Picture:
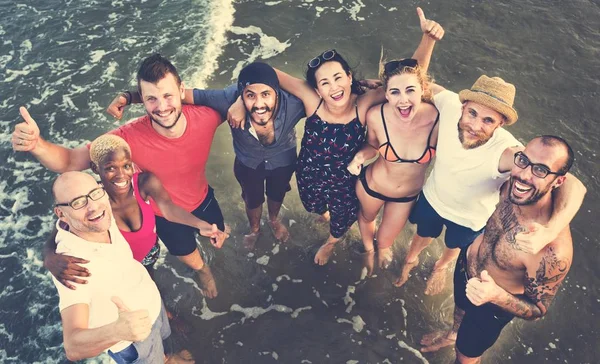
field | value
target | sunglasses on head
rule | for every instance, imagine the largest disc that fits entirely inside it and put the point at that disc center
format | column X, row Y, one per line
column 325, row 56
column 394, row 65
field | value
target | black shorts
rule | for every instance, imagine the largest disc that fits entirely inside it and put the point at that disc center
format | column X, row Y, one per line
column 252, row 182
column 481, row 325
column 181, row 239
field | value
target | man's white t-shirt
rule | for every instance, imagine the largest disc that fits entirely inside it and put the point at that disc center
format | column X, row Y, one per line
column 464, row 185
column 114, row 272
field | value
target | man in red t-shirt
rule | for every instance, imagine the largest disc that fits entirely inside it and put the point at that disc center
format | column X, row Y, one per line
column 172, row 141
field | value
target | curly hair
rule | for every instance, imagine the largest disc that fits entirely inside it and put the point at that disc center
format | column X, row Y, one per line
column 105, row 144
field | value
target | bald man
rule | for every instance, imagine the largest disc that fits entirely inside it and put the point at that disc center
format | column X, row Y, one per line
column 119, row 310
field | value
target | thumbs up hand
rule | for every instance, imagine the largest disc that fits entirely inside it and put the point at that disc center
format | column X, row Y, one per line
column 482, row 290
column 131, row 325
column 26, row 134
column 430, row 27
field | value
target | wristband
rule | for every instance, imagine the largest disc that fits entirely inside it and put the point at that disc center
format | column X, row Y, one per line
column 127, row 96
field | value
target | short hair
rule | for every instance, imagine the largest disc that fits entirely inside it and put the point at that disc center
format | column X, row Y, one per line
column 552, row 141
column 154, row 68
column 105, row 144
column 311, row 72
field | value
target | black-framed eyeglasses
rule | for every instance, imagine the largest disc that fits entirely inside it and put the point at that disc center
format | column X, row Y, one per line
column 325, row 56
column 82, row 201
column 538, row 170
column 394, row 65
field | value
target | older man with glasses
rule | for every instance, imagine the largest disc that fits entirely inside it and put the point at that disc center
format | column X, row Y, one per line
column 119, row 310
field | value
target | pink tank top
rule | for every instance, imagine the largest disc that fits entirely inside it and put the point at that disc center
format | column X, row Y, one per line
column 143, row 240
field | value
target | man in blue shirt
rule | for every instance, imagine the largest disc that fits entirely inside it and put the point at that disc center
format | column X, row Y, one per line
column 265, row 146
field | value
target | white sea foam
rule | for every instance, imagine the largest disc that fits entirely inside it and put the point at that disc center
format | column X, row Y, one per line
column 220, row 19
column 349, row 301
column 275, row 249
column 357, row 323
column 267, row 47
column 205, row 312
column 264, row 260
column 417, row 353
column 254, row 312
column 279, row 278
column 298, row 310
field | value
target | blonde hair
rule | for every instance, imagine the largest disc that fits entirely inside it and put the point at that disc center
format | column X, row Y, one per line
column 424, row 78
column 105, row 144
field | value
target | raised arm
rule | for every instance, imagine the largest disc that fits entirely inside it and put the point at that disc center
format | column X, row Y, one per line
column 432, row 32
column 151, row 186
column 566, row 201
column 26, row 138
column 81, row 342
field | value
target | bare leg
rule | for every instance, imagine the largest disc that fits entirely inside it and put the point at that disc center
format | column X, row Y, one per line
column 417, row 244
column 254, row 220
column 437, row 279
column 207, row 281
column 369, row 207
column 394, row 218
column 325, row 251
column 440, row 339
column 279, row 230
column 406, row 269
column 462, row 359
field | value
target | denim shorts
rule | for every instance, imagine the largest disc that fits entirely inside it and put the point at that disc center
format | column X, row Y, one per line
column 149, row 351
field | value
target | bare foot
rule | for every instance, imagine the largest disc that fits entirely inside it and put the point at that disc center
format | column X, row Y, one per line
column 436, row 340
column 250, row 240
column 437, row 281
column 279, row 230
column 408, row 267
column 384, row 257
column 324, row 253
column 369, row 262
column 183, row 356
column 208, row 285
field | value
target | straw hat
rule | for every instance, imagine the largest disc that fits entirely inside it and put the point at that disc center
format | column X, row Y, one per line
column 494, row 93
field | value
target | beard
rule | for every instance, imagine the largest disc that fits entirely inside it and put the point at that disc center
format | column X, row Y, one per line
column 535, row 194
column 262, row 121
column 481, row 138
column 152, row 117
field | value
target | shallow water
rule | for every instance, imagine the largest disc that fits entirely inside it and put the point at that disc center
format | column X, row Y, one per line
column 66, row 60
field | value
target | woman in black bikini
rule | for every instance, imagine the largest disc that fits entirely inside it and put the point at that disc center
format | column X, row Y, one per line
column 404, row 132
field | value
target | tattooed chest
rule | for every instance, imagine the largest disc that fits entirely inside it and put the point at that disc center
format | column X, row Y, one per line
column 499, row 247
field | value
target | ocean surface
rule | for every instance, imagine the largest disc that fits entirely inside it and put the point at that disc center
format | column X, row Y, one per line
column 65, row 60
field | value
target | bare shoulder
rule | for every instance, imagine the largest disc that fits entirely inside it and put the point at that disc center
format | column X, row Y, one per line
column 556, row 258
column 374, row 116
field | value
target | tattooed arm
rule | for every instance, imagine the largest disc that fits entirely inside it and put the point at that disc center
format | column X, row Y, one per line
column 542, row 280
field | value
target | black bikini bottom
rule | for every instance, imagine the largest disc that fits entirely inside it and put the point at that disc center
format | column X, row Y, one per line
column 370, row 192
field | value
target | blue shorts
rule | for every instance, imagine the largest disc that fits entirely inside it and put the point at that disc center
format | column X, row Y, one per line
column 149, row 351
column 430, row 224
